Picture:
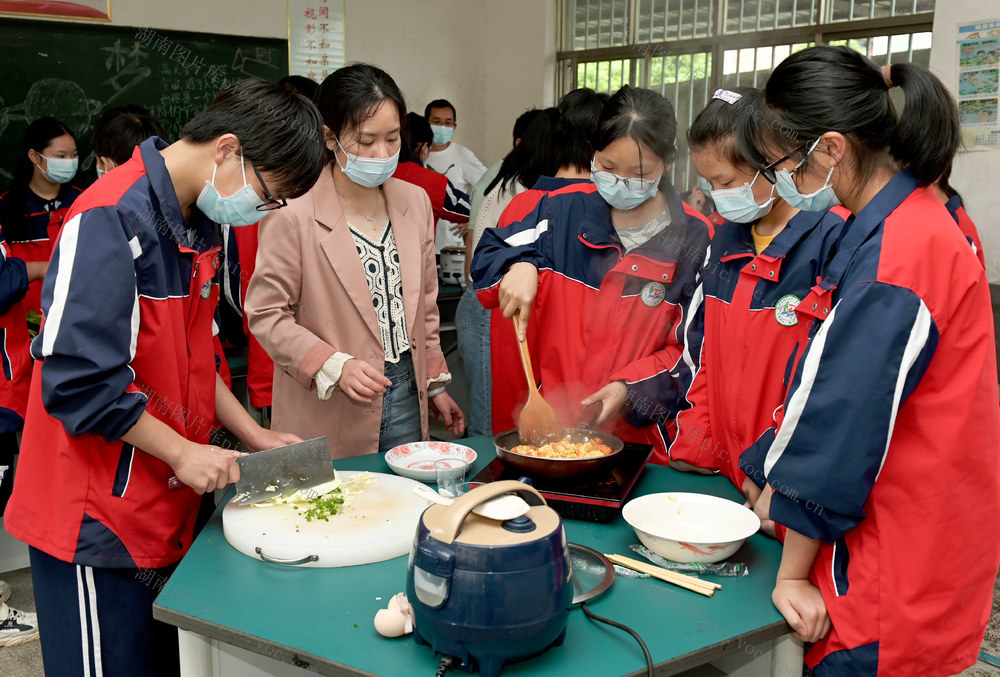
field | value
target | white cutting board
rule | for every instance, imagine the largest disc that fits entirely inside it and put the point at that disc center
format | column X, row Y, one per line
column 378, row 525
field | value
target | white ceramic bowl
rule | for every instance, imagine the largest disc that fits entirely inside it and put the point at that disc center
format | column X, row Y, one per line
column 416, row 459
column 686, row 527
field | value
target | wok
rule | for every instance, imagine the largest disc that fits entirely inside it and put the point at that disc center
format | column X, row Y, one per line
column 558, row 468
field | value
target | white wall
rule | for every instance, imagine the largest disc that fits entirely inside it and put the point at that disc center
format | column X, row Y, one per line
column 975, row 173
column 492, row 60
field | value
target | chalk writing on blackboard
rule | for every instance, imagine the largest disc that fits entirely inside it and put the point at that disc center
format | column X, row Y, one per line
column 75, row 72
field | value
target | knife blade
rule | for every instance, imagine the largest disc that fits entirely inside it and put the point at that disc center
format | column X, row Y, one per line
column 282, row 470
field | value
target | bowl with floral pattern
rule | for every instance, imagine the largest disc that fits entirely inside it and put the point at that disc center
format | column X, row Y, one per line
column 416, row 460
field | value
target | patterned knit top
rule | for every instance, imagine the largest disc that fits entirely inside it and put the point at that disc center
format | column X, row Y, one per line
column 381, row 264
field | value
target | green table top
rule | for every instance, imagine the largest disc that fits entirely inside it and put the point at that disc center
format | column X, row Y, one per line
column 322, row 618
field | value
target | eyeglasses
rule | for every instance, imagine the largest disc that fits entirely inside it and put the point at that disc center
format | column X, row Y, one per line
column 608, row 179
column 269, row 201
column 769, row 172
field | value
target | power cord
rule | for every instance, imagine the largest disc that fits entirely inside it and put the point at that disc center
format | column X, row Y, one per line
column 446, row 664
column 620, row 626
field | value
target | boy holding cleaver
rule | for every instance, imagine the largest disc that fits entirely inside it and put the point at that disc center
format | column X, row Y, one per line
column 125, row 391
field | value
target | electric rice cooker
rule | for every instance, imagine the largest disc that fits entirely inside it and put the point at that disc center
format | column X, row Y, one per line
column 452, row 269
column 490, row 592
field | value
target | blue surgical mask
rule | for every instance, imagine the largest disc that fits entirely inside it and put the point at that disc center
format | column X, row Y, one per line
column 705, row 185
column 739, row 205
column 442, row 134
column 622, row 193
column 368, row 171
column 58, row 169
column 239, row 209
column 817, row 201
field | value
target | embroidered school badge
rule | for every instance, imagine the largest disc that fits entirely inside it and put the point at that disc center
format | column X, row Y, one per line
column 784, row 310
column 653, row 293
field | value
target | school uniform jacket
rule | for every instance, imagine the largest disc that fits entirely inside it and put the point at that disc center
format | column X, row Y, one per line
column 602, row 315
column 888, row 450
column 752, row 336
column 448, row 202
column 42, row 227
column 512, row 393
column 14, row 358
column 239, row 246
column 129, row 303
column 966, row 225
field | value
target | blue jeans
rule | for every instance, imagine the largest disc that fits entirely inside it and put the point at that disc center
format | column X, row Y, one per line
column 472, row 324
column 400, row 406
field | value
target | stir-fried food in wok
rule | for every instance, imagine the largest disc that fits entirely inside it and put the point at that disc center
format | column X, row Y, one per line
column 565, row 448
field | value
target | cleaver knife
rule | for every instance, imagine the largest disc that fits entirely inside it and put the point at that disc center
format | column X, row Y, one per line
column 282, row 470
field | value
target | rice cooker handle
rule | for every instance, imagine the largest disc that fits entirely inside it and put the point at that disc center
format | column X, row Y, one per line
column 448, row 527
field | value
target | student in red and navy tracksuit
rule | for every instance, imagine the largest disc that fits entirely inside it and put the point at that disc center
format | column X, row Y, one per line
column 35, row 205
column 579, row 111
column 762, row 262
column 447, row 201
column 31, row 213
column 953, row 202
column 605, row 272
column 885, row 467
column 125, row 388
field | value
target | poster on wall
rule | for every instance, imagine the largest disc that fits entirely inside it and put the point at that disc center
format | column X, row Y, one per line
column 979, row 83
column 96, row 10
column 315, row 37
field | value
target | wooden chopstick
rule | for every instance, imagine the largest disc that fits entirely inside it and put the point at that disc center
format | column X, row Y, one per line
column 648, row 568
column 706, row 588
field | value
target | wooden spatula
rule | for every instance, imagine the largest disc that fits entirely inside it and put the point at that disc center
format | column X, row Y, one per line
column 537, row 423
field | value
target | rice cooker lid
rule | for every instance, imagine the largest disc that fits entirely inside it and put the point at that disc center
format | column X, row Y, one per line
column 456, row 523
column 538, row 523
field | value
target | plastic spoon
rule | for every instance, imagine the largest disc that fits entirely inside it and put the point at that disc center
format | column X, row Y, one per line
column 501, row 508
column 538, row 423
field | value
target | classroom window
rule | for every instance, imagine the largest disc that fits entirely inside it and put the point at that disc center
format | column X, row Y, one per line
column 687, row 49
column 762, row 15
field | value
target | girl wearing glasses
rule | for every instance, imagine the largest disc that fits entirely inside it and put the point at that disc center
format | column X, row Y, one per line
column 604, row 271
column 885, row 463
column 763, row 261
column 344, row 296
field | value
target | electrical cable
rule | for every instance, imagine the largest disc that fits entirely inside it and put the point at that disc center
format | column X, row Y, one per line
column 446, row 664
column 620, row 626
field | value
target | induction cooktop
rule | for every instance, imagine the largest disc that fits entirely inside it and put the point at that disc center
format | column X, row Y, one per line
column 596, row 498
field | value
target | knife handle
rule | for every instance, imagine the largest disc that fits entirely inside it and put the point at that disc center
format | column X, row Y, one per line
column 174, row 483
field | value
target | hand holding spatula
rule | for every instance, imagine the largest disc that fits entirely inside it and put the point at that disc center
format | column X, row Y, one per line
column 537, row 424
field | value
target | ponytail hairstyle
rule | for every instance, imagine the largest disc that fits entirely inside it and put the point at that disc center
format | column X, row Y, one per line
column 579, row 112
column 418, row 132
column 643, row 116
column 37, row 137
column 717, row 126
column 534, row 156
column 824, row 88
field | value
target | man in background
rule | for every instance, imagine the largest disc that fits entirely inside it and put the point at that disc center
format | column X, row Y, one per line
column 455, row 161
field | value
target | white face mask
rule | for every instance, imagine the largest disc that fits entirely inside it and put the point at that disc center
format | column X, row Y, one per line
column 101, row 172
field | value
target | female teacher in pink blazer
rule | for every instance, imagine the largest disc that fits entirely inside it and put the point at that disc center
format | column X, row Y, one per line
column 344, row 295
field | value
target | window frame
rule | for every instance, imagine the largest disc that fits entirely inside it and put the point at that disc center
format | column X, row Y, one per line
column 567, row 61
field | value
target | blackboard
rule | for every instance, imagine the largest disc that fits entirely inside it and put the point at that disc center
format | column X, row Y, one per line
column 74, row 72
